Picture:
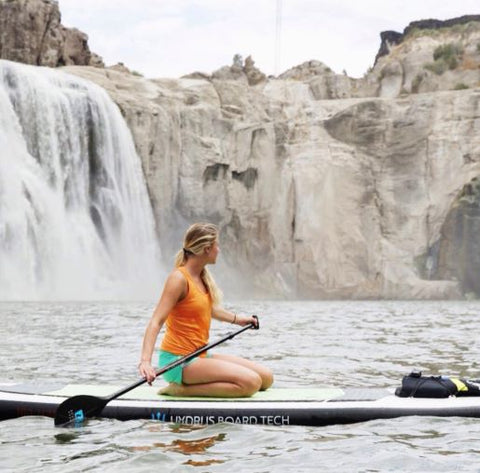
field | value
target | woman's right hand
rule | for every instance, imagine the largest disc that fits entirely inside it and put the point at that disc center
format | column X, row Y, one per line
column 146, row 371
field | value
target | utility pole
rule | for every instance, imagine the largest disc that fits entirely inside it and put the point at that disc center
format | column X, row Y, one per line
column 278, row 38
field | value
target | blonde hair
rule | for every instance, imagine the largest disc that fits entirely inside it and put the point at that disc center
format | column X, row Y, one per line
column 198, row 237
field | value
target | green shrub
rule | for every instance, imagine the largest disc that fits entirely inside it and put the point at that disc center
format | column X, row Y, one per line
column 445, row 57
column 418, row 32
column 459, row 29
column 438, row 67
column 450, row 53
column 461, row 86
column 478, row 48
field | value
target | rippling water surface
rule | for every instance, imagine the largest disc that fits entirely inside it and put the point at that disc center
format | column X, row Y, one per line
column 305, row 343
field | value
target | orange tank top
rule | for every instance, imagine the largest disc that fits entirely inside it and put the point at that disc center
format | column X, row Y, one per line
column 188, row 324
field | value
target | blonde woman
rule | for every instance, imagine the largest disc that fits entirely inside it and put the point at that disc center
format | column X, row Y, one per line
column 189, row 300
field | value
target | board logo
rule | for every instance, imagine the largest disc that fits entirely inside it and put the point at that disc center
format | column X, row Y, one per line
column 79, row 416
column 202, row 419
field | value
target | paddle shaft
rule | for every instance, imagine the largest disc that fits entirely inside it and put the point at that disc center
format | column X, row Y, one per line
column 182, row 360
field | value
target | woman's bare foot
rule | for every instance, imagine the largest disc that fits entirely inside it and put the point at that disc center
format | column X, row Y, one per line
column 173, row 389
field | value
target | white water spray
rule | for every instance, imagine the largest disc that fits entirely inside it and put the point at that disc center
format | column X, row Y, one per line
column 75, row 218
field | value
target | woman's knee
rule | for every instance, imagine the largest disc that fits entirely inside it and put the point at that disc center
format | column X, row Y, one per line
column 250, row 384
column 267, row 379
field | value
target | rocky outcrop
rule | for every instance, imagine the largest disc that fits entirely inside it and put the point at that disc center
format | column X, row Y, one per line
column 456, row 255
column 323, row 82
column 31, row 32
column 388, row 39
column 430, row 55
column 391, row 38
column 239, row 70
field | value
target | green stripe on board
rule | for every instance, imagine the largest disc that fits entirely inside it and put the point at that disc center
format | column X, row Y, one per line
column 150, row 393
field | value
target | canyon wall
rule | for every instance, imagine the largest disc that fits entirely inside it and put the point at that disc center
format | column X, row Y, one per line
column 315, row 198
column 323, row 185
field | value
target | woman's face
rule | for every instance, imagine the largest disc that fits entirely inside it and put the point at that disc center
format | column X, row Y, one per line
column 212, row 252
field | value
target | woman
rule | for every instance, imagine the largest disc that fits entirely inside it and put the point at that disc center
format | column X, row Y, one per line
column 189, row 300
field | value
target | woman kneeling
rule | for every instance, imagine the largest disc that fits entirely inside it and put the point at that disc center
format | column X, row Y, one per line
column 188, row 302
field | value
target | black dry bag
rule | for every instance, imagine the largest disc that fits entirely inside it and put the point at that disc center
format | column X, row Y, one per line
column 416, row 385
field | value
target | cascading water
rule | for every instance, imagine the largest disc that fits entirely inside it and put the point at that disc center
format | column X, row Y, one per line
column 75, row 218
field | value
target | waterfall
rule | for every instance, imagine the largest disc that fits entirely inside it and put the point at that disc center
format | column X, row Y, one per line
column 75, row 217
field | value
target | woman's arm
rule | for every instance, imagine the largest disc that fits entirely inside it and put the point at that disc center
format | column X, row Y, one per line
column 219, row 313
column 174, row 290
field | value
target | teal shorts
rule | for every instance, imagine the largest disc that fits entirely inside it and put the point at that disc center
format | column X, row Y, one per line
column 175, row 374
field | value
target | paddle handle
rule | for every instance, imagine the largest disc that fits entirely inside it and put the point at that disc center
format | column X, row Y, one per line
column 186, row 358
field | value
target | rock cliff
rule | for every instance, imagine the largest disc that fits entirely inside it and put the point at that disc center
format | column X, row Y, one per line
column 430, row 55
column 315, row 198
column 31, row 32
column 324, row 186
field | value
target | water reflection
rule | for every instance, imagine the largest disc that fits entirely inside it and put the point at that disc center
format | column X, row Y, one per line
column 195, row 448
column 186, row 447
column 66, row 437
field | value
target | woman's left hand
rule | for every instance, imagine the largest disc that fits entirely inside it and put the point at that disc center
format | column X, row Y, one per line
column 245, row 320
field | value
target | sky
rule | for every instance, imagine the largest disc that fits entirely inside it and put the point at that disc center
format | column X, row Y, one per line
column 170, row 38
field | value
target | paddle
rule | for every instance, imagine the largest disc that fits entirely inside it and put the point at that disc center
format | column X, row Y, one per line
column 76, row 409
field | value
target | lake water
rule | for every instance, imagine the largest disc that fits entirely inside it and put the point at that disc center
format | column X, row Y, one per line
column 305, row 343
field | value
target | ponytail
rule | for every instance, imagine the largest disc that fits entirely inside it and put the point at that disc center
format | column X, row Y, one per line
column 198, row 237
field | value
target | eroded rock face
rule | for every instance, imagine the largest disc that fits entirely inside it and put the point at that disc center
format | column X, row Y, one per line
column 31, row 32
column 430, row 55
column 456, row 255
column 315, row 198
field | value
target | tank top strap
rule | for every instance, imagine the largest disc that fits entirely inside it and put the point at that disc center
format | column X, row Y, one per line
column 187, row 276
column 191, row 284
column 184, row 271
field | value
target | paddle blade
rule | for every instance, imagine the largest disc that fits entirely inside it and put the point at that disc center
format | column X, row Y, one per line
column 75, row 410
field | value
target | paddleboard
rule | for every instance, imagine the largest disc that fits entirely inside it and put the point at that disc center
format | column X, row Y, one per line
column 277, row 406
